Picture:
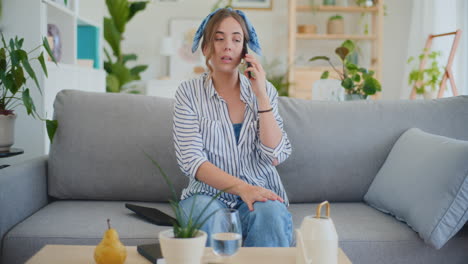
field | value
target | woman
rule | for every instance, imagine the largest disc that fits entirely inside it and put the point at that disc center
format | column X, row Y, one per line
column 229, row 136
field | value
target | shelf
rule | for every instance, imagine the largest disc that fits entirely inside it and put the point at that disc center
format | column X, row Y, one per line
column 349, row 9
column 340, row 36
column 85, row 22
column 59, row 7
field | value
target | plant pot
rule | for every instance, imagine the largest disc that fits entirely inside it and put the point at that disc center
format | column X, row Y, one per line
column 335, row 26
column 182, row 250
column 307, row 29
column 430, row 94
column 354, row 97
column 329, row 2
column 7, row 132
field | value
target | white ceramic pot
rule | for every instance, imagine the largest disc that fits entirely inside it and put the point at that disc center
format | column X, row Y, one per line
column 7, row 131
column 182, row 250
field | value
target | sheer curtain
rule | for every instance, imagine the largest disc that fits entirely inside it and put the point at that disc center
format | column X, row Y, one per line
column 434, row 17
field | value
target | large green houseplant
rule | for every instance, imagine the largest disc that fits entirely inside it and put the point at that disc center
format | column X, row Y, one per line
column 16, row 77
column 357, row 81
column 118, row 74
column 428, row 79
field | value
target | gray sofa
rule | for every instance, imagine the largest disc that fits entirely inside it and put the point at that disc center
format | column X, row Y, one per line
column 97, row 163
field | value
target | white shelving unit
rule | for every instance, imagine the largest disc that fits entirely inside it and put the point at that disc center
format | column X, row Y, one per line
column 28, row 19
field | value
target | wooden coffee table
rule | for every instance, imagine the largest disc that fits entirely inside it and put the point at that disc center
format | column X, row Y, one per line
column 59, row 254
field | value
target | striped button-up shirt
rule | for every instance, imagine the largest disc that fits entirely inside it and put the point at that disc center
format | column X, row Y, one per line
column 203, row 131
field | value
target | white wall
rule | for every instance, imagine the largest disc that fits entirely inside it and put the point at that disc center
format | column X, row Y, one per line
column 145, row 31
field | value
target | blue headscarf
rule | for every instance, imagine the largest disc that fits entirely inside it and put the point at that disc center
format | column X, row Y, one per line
column 253, row 43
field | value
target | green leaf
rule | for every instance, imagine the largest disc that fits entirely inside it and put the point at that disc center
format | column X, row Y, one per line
column 325, row 75
column 349, row 44
column 357, row 78
column 342, row 52
column 51, row 126
column 138, row 69
column 3, row 61
column 122, row 73
column 347, row 84
column 24, row 60
column 319, row 58
column 10, row 84
column 18, row 76
column 136, row 7
column 351, row 67
column 362, row 70
column 43, row 65
column 119, row 11
column 129, row 57
column 112, row 36
column 45, row 43
column 371, row 86
column 112, row 84
column 28, row 102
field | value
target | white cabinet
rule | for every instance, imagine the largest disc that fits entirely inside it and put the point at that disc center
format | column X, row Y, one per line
column 80, row 39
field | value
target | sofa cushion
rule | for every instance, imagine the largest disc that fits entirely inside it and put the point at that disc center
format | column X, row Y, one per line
column 424, row 182
column 337, row 142
column 366, row 235
column 99, row 147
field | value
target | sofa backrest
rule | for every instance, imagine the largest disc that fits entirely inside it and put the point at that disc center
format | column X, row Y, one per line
column 338, row 147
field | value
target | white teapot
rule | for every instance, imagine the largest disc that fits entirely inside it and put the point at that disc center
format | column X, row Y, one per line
column 317, row 240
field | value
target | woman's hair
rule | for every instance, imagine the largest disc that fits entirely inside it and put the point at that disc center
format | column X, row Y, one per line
column 210, row 32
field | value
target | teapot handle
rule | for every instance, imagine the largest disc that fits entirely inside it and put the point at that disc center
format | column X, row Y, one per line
column 319, row 209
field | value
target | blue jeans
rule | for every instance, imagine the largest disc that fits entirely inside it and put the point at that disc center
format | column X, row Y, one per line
column 269, row 225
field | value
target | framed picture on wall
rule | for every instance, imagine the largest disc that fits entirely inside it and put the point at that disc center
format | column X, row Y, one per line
column 184, row 63
column 253, row 4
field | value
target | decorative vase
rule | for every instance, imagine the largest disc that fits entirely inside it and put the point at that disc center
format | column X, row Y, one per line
column 354, row 97
column 307, row 29
column 7, row 131
column 182, row 250
column 335, row 26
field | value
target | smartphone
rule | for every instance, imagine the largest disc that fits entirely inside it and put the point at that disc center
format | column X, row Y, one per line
column 151, row 252
column 245, row 51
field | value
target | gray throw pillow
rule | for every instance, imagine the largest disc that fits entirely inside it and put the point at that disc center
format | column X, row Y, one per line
column 424, row 183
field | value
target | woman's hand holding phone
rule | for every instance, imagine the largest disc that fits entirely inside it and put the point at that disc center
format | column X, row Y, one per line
column 256, row 75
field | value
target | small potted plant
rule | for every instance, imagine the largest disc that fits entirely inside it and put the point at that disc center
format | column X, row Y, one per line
column 426, row 80
column 185, row 242
column 15, row 70
column 358, row 82
column 335, row 25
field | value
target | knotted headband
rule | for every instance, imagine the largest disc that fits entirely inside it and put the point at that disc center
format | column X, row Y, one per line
column 253, row 41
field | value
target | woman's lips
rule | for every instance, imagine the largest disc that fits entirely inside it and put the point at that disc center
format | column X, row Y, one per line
column 226, row 59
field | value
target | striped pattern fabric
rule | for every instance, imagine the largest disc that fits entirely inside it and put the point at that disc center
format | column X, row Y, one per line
column 203, row 132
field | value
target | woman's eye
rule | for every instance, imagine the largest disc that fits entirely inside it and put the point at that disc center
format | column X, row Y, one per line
column 218, row 39
column 237, row 40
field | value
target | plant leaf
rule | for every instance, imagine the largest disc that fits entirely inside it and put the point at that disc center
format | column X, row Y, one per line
column 347, row 83
column 45, row 43
column 28, row 102
column 319, row 58
column 342, row 52
column 51, row 129
column 138, row 69
column 42, row 61
column 112, row 84
column 325, row 75
column 3, row 61
column 18, row 76
column 119, row 11
column 27, row 66
column 129, row 57
column 136, row 7
column 112, row 36
column 349, row 44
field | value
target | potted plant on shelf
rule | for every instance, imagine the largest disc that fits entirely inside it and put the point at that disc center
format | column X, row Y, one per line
column 185, row 242
column 358, row 82
column 426, row 81
column 15, row 71
column 335, row 25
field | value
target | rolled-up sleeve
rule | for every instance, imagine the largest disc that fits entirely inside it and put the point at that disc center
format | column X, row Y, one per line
column 187, row 138
column 282, row 151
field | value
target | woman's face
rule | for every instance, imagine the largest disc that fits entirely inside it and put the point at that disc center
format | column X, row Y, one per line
column 228, row 43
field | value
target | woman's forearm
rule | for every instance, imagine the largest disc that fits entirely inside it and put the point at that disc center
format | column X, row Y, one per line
column 270, row 132
column 219, row 179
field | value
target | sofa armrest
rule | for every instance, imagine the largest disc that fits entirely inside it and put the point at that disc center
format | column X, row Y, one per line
column 23, row 191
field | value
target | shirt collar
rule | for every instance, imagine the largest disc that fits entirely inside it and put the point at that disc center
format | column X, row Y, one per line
column 246, row 91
